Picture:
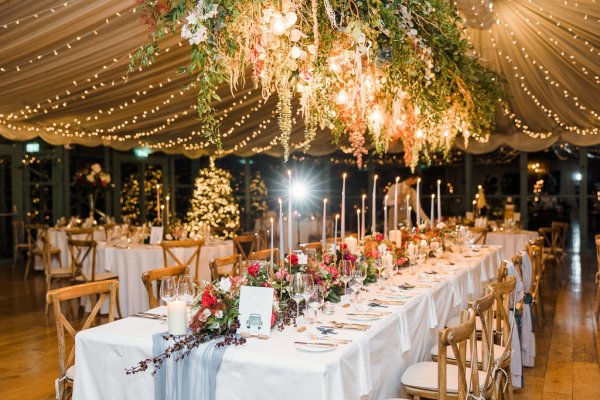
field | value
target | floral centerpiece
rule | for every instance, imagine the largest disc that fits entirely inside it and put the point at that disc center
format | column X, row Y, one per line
column 92, row 179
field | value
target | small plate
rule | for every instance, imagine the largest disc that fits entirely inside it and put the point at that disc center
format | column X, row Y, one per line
column 315, row 346
column 363, row 317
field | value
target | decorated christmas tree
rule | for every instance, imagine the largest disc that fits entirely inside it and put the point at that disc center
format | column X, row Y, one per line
column 212, row 204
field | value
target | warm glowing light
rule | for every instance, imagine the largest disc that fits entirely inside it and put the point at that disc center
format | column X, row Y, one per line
column 278, row 25
column 342, row 97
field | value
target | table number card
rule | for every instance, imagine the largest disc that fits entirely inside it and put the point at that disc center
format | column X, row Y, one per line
column 256, row 306
column 156, row 234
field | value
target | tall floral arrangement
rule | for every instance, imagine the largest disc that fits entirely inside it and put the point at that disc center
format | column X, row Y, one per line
column 92, row 179
column 212, row 203
column 370, row 71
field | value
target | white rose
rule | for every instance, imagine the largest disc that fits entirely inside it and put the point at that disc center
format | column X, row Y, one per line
column 382, row 248
column 225, row 284
column 290, row 18
column 206, row 313
column 90, row 178
column 96, row 168
column 302, row 259
column 219, row 314
column 296, row 34
column 296, row 52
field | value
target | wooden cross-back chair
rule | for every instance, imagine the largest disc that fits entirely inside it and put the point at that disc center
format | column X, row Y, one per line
column 480, row 235
column 597, row 307
column 503, row 331
column 442, row 380
column 264, row 255
column 109, row 228
column 550, row 255
column 312, row 245
column 39, row 245
column 234, row 262
column 245, row 245
column 80, row 233
column 193, row 261
column 66, row 361
column 20, row 244
column 537, row 305
column 155, row 275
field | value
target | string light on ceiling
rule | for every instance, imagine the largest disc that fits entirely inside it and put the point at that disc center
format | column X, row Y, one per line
column 41, row 13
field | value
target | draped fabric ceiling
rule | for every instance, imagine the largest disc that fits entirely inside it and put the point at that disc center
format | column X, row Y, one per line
column 63, row 67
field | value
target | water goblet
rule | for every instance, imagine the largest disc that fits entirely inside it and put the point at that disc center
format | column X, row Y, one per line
column 168, row 289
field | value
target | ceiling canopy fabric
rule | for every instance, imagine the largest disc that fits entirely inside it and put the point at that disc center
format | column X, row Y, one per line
column 63, row 78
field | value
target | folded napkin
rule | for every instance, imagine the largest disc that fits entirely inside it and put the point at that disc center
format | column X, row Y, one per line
column 193, row 377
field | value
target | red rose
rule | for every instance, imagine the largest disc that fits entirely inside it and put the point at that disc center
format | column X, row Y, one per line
column 253, row 269
column 343, row 246
column 273, row 318
column 379, row 237
column 208, row 299
column 293, row 259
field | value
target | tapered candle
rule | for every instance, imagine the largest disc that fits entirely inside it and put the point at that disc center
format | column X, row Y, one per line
column 281, row 248
column 385, row 228
column 409, row 221
column 290, row 212
column 167, row 210
column 396, row 204
column 158, row 201
column 418, row 202
column 439, row 200
column 358, row 224
column 323, row 236
column 362, row 214
column 162, row 210
column 432, row 207
column 337, row 216
column 374, row 212
column 408, row 210
column 272, row 260
column 343, row 221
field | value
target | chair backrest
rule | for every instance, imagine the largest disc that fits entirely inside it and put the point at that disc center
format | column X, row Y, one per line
column 109, row 229
column 597, row 240
column 262, row 239
column 80, row 251
column 105, row 289
column 484, row 310
column 169, row 245
column 480, row 234
column 18, row 233
column 80, row 233
column 264, row 255
column 502, row 271
column 457, row 338
column 311, row 245
column 234, row 263
column 36, row 235
column 245, row 245
column 503, row 291
column 550, row 236
column 518, row 262
column 154, row 275
column 535, row 254
column 562, row 228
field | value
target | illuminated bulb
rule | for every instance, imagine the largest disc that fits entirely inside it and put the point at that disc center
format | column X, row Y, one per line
column 419, row 133
column 342, row 97
column 278, row 25
column 376, row 116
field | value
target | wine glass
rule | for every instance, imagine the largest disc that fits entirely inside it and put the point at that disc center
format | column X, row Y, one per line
column 296, row 290
column 309, row 290
column 358, row 277
column 346, row 270
column 185, row 288
column 168, row 289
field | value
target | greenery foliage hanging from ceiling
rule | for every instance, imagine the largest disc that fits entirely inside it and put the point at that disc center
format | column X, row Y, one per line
column 370, row 70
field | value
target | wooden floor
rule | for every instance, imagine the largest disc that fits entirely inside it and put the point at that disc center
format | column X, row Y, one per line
column 567, row 346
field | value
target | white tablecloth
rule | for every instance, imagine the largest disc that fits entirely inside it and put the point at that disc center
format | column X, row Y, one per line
column 58, row 238
column 369, row 367
column 511, row 242
column 131, row 263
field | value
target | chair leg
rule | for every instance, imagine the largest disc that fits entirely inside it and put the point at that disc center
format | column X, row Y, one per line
column 597, row 308
column 27, row 264
column 119, row 306
column 48, row 287
column 15, row 255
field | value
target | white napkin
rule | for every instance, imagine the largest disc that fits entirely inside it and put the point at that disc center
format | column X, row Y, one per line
column 404, row 334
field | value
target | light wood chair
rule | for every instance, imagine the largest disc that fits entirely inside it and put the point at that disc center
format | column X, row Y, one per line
column 234, row 263
column 597, row 307
column 192, row 261
column 52, row 275
column 37, row 238
column 154, row 275
column 480, row 235
column 80, row 233
column 550, row 258
column 66, row 363
column 442, row 380
column 264, row 255
column 537, row 305
column 245, row 245
column 312, row 245
column 20, row 244
column 562, row 230
column 109, row 228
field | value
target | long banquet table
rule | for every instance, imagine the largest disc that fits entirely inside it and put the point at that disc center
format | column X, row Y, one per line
column 511, row 242
column 369, row 367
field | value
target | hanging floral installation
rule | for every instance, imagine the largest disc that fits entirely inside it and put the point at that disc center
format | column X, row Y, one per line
column 372, row 71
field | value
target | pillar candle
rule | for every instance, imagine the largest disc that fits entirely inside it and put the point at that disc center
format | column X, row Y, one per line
column 343, row 221
column 396, row 204
column 418, row 202
column 374, row 212
column 324, row 234
column 439, row 200
column 176, row 317
column 290, row 212
column 272, row 260
column 351, row 244
column 362, row 212
column 432, row 207
column 281, row 248
column 358, row 236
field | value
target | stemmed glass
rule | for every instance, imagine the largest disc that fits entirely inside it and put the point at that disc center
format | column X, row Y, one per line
column 185, row 288
column 358, row 277
column 346, row 270
column 309, row 290
column 168, row 289
column 297, row 290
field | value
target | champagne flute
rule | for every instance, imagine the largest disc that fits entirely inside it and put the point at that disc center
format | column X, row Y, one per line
column 168, row 289
column 296, row 290
column 346, row 270
column 309, row 290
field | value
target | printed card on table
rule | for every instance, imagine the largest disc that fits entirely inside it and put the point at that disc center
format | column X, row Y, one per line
column 256, row 306
column 156, row 234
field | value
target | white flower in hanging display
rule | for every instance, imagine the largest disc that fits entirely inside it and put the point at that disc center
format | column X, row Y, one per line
column 96, row 168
